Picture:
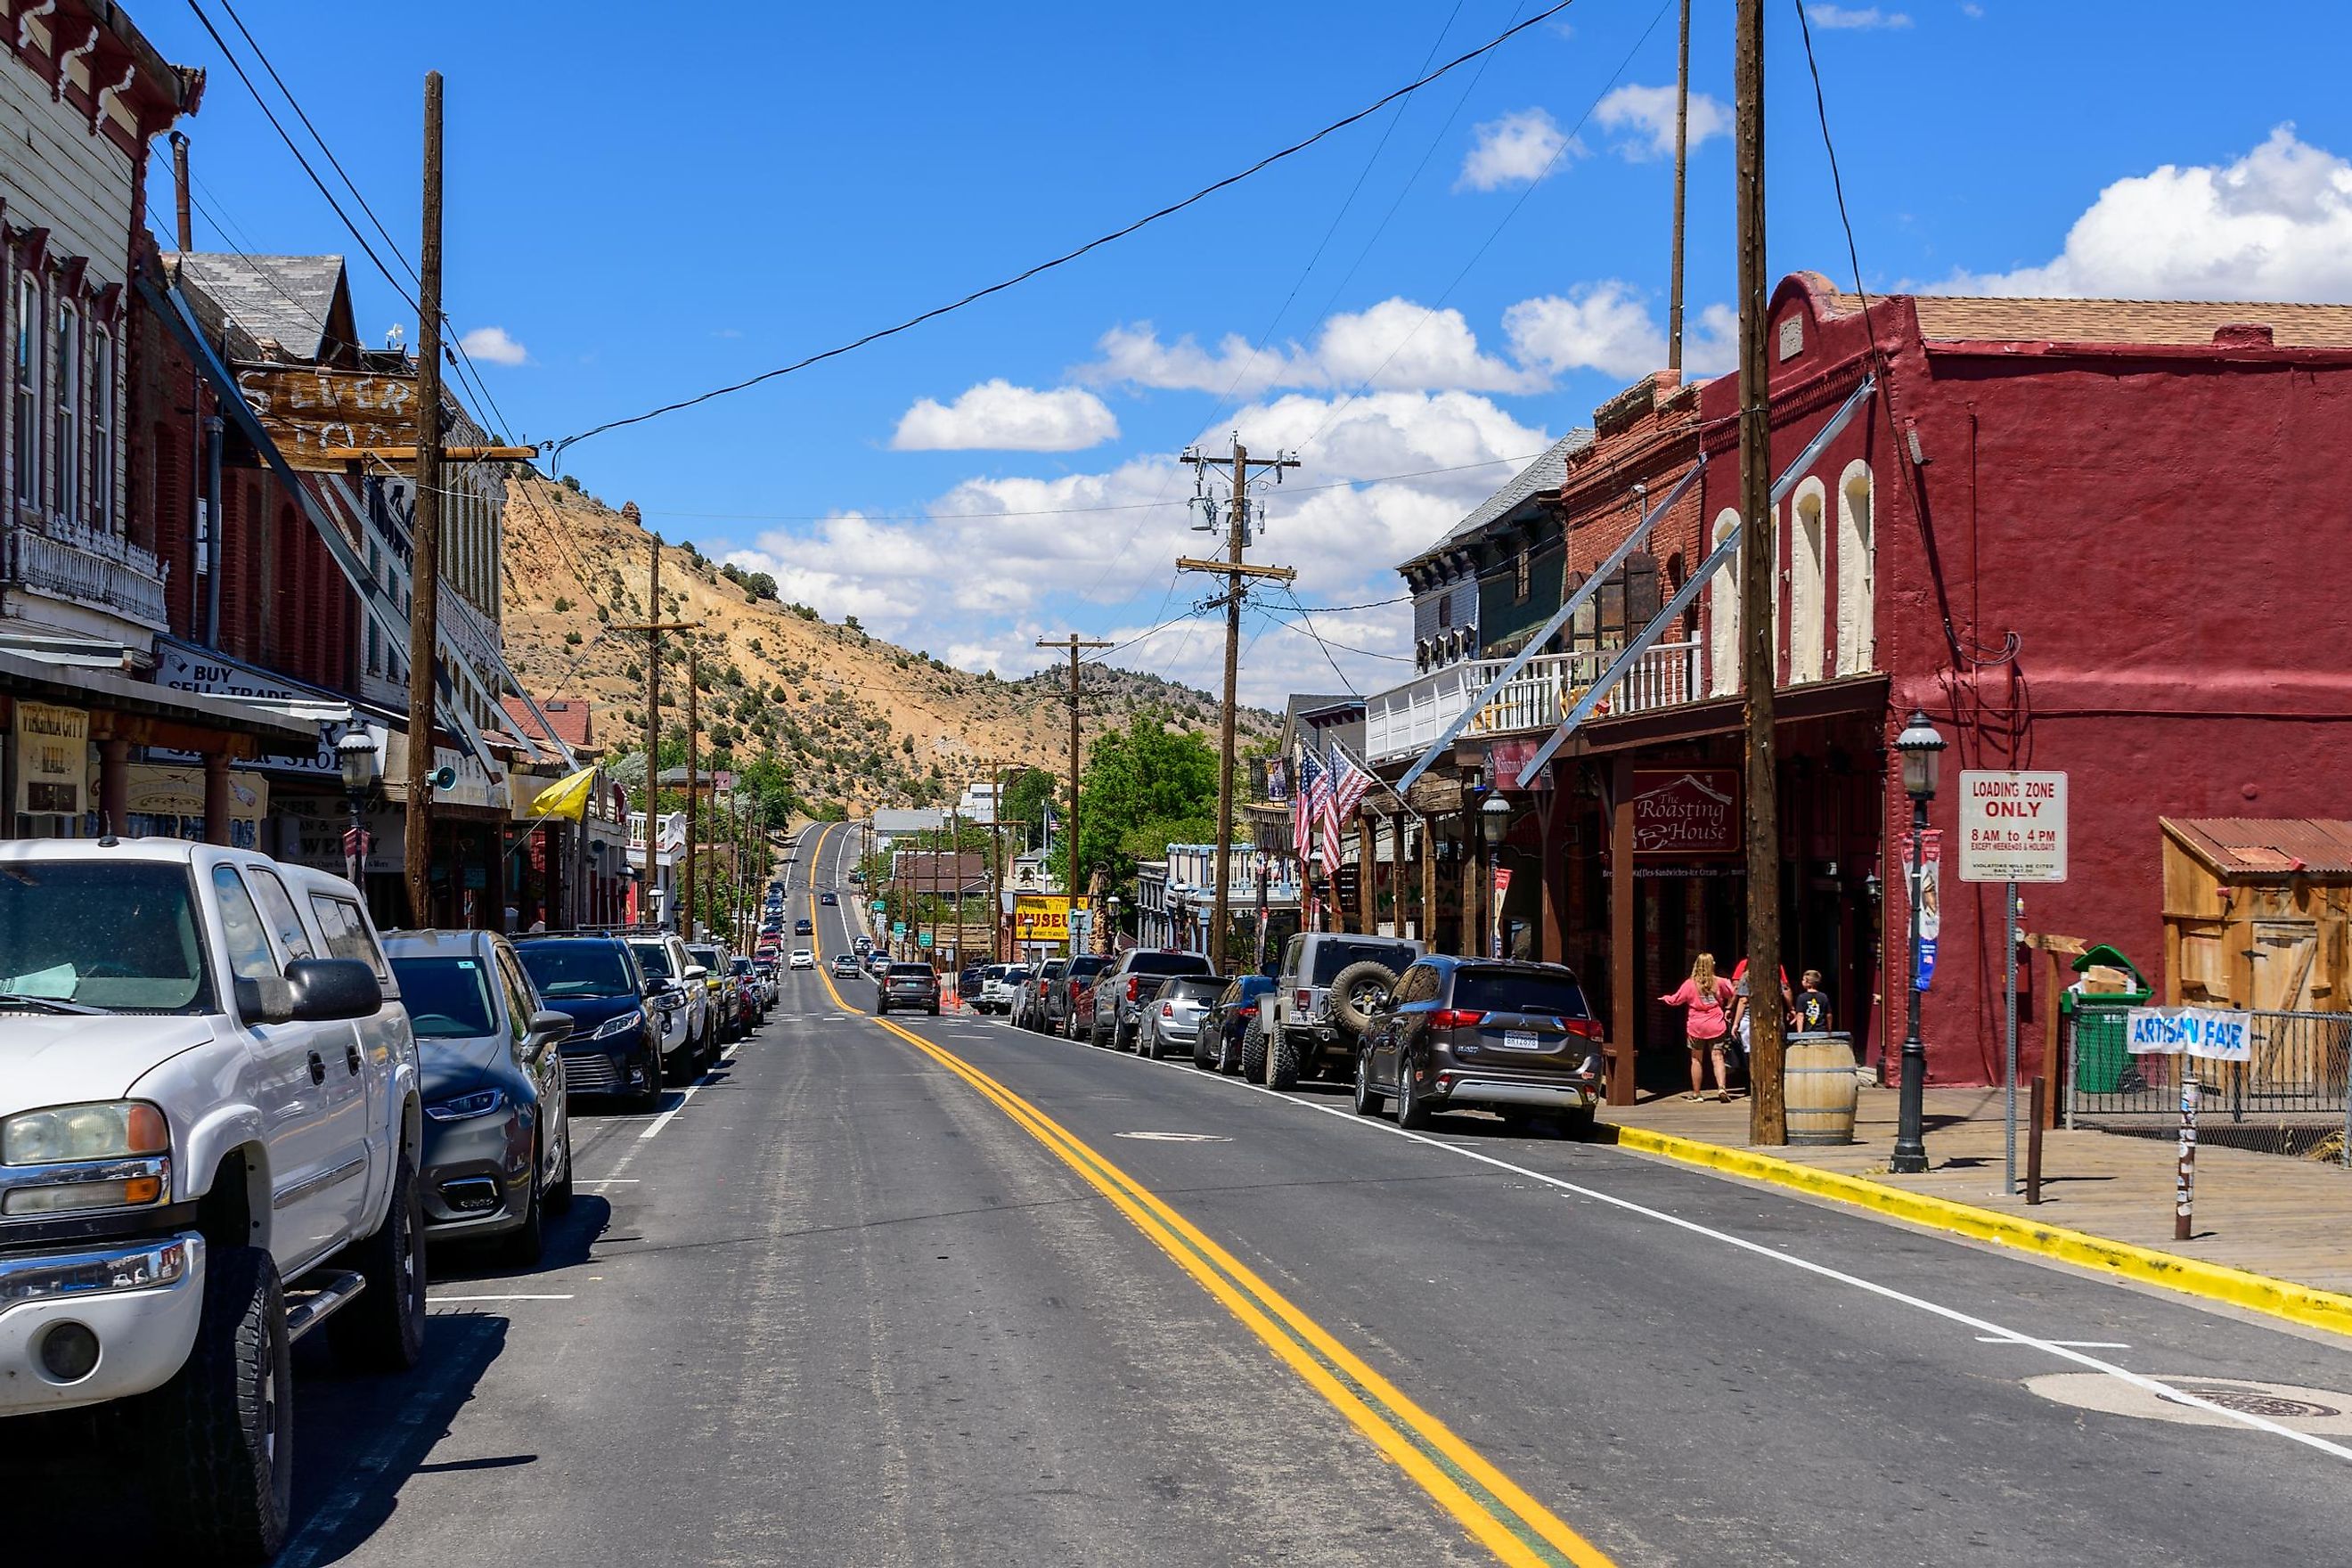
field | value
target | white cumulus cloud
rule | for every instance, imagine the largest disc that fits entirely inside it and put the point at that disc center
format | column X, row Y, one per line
column 491, row 343
column 1517, row 150
column 1647, row 115
column 1860, row 17
column 2275, row 225
column 997, row 416
column 1609, row 327
column 1393, row 344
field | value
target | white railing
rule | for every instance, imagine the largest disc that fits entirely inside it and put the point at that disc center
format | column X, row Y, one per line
column 1401, row 723
column 673, row 832
column 86, row 566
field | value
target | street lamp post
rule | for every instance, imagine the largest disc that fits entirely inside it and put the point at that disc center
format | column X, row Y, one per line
column 362, row 763
column 1921, row 748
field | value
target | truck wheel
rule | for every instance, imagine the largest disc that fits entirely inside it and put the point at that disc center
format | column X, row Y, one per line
column 221, row 1429
column 558, row 1195
column 1368, row 1098
column 383, row 1331
column 1254, row 1052
column 1281, row 1060
column 1228, row 1058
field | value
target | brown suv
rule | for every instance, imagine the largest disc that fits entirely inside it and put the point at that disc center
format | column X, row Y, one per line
column 907, row 985
column 1508, row 1036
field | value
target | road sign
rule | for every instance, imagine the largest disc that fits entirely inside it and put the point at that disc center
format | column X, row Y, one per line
column 2012, row 826
column 879, row 905
column 924, row 940
column 897, row 927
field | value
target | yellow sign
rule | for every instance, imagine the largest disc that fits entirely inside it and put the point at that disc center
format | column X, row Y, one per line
column 1042, row 917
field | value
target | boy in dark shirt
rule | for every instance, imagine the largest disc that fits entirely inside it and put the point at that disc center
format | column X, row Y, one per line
column 1812, row 1005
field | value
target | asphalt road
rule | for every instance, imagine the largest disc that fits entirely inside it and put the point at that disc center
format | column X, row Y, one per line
column 949, row 1293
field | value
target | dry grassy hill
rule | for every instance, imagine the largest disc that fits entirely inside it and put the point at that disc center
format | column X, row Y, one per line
column 859, row 721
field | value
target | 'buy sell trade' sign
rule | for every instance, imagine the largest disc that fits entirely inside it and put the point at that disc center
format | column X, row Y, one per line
column 2012, row 827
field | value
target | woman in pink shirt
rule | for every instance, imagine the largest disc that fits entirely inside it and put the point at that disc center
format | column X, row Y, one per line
column 1707, row 995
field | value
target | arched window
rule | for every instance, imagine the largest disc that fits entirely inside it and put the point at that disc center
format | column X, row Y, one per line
column 1723, row 614
column 66, row 452
column 1808, row 585
column 1857, row 572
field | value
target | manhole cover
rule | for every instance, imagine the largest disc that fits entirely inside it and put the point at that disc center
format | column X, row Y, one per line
column 1174, row 1137
column 2321, row 1411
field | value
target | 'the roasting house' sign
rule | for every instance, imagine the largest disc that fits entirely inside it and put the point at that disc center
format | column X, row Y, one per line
column 1686, row 811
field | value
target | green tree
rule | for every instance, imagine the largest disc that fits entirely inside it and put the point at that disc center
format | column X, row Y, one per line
column 1026, row 793
column 1143, row 789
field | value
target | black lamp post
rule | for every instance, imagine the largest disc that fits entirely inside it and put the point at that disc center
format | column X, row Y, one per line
column 362, row 763
column 1921, row 747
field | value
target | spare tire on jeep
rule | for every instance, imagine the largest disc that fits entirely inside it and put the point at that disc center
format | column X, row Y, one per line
column 1357, row 990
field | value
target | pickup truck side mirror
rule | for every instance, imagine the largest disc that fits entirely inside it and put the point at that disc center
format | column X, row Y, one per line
column 326, row 989
column 267, row 1000
column 549, row 1026
column 697, row 972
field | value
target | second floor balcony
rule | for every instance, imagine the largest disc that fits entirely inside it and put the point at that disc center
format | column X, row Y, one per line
column 89, row 567
column 1404, row 720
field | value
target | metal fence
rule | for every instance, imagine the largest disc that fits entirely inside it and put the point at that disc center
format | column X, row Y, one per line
column 2294, row 1097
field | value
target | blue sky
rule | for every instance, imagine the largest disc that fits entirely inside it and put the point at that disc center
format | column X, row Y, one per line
column 641, row 207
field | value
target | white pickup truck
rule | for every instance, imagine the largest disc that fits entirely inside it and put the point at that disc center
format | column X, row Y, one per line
column 209, row 1128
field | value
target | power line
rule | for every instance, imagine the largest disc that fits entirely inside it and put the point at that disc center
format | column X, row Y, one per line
column 1067, row 256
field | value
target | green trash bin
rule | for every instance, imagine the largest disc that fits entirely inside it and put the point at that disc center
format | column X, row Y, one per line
column 2096, row 1024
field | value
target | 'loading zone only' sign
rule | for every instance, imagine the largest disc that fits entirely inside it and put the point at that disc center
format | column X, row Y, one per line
column 2012, row 826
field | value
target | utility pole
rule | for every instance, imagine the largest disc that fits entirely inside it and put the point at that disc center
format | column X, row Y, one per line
column 424, row 577
column 693, row 790
column 1236, row 575
column 996, row 863
column 1768, row 1122
column 654, row 626
column 1681, row 170
column 184, row 227
column 1073, row 642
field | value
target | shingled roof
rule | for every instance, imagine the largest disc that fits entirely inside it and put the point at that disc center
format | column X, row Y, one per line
column 2162, row 323
column 1545, row 473
column 299, row 305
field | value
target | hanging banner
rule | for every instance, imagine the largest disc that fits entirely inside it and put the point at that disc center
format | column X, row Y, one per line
column 1502, row 887
column 1930, row 902
column 2210, row 1033
column 52, row 760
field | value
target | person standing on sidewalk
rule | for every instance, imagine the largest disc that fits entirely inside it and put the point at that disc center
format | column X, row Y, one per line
column 1704, row 997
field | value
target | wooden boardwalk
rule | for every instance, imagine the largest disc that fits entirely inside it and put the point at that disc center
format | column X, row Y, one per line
column 2288, row 1218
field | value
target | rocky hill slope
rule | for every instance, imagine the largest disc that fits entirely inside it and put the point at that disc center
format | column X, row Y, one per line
column 859, row 721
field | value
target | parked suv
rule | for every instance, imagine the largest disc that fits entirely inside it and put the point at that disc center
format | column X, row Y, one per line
column 1077, row 981
column 1115, row 1013
column 1002, row 988
column 1217, row 1047
column 680, row 1003
column 497, row 1139
column 210, row 1126
column 1029, row 1010
column 725, row 1005
column 615, row 1047
column 1308, row 1026
column 1512, row 1037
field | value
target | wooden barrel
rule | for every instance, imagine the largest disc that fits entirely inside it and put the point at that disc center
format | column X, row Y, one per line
column 1818, row 1083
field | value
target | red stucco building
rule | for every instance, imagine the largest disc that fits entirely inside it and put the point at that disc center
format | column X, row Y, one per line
column 2093, row 536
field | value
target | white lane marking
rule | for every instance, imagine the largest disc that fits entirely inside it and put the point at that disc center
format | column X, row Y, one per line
column 2070, row 1344
column 662, row 1120
column 2062, row 1349
column 1174, row 1137
column 605, row 1181
column 445, row 1300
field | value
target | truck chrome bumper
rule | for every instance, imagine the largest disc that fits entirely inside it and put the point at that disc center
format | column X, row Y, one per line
column 142, row 1300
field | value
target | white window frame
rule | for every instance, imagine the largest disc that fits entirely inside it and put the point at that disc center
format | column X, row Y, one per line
column 1857, row 569
column 1808, row 608
column 1723, row 612
column 26, row 415
column 105, row 371
column 69, row 450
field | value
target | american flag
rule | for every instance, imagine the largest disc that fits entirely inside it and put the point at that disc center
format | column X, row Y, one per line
column 1349, row 782
column 1309, row 809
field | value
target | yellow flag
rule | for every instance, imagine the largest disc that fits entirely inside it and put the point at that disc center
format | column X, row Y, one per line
column 566, row 796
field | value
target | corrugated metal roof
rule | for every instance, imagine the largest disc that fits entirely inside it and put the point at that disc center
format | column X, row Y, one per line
column 285, row 300
column 2274, row 846
column 1544, row 474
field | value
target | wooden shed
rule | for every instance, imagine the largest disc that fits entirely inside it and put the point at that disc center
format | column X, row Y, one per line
column 2256, row 913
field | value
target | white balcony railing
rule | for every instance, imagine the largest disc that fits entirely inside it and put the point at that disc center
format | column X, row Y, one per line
column 86, row 566
column 1401, row 723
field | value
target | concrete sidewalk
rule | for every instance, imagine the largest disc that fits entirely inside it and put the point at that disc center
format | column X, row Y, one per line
column 2284, row 1218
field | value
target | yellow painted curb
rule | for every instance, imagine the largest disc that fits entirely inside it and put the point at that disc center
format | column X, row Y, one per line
column 2305, row 1304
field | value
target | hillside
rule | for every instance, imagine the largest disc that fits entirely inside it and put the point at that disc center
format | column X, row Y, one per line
column 859, row 721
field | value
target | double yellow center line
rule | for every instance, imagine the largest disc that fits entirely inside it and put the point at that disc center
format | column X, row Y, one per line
column 1492, row 1507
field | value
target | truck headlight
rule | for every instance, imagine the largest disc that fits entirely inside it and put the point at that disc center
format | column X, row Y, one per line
column 106, row 1131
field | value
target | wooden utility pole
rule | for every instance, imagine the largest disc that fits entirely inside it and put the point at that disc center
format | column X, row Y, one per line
column 1073, row 642
column 184, row 227
column 654, row 626
column 996, row 864
column 693, row 790
column 1236, row 575
column 424, row 577
column 1768, row 1122
column 1682, row 171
